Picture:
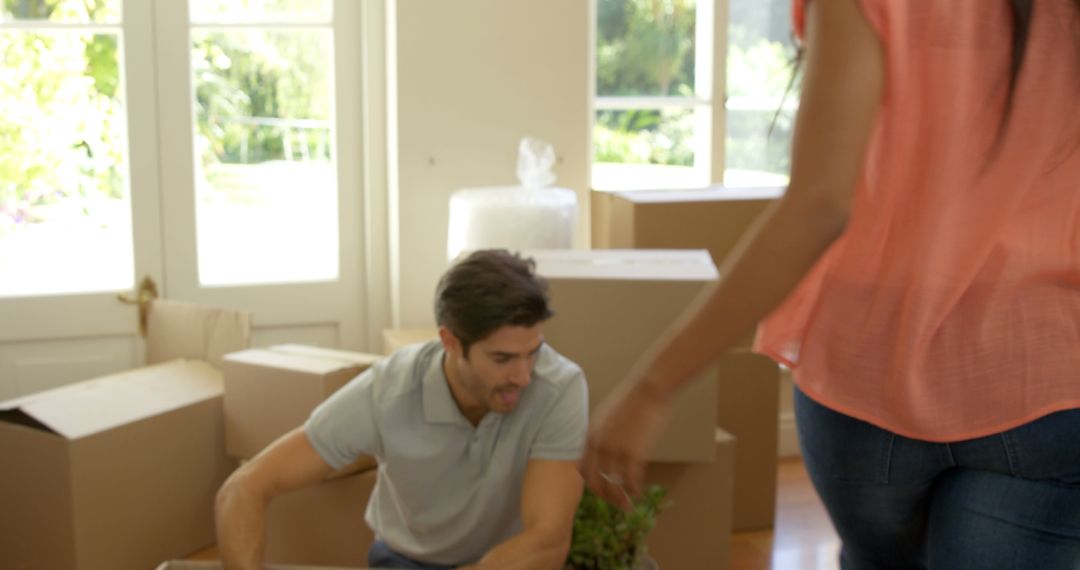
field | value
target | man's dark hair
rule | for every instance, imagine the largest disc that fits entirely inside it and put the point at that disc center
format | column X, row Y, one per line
column 489, row 289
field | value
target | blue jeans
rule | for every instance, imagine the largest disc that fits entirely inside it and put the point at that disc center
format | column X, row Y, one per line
column 380, row 556
column 1005, row 501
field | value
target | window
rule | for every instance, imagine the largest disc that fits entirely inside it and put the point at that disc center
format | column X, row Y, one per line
column 65, row 214
column 266, row 189
column 655, row 120
column 652, row 102
column 759, row 68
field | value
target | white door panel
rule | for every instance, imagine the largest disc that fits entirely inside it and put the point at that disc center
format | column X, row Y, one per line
column 40, row 365
column 46, row 341
column 335, row 301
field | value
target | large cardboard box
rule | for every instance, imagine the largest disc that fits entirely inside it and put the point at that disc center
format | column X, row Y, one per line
column 114, row 473
column 748, row 407
column 610, row 306
column 394, row 339
column 323, row 524
column 695, row 529
column 271, row 391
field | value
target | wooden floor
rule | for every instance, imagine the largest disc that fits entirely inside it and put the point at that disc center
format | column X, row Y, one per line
column 803, row 538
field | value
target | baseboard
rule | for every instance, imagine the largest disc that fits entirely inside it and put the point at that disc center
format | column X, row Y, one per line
column 789, row 437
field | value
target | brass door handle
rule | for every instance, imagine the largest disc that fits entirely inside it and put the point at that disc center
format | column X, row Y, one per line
column 146, row 293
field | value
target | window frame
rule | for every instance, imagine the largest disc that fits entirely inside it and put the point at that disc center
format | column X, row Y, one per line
column 710, row 77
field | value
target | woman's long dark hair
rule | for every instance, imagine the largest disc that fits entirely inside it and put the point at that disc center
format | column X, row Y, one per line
column 1022, row 12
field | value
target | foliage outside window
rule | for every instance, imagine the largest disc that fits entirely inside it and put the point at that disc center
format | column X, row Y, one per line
column 651, row 123
column 759, row 117
column 259, row 97
column 63, row 130
column 646, row 102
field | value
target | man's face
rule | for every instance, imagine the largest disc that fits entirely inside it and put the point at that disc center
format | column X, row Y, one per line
column 498, row 367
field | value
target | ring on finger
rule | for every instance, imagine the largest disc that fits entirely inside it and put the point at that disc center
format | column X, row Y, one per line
column 614, row 479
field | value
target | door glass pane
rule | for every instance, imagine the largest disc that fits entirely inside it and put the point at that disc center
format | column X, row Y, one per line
column 65, row 213
column 646, row 148
column 645, row 48
column 759, row 62
column 266, row 188
column 66, row 11
column 206, row 11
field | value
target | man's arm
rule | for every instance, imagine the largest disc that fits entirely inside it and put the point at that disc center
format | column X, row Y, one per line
column 287, row 464
column 549, row 500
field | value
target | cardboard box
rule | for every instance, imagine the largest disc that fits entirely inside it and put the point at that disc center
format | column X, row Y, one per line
column 610, row 306
column 208, row 565
column 271, row 391
column 748, row 408
column 323, row 524
column 695, row 529
column 394, row 339
column 175, row 329
column 711, row 218
column 118, row 472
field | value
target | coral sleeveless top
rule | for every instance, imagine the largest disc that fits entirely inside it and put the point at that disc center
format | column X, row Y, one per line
column 950, row 306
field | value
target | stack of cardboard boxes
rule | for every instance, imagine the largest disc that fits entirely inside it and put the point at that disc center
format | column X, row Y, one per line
column 714, row 219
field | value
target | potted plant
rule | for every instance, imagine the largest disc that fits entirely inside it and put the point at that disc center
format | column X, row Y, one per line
column 608, row 538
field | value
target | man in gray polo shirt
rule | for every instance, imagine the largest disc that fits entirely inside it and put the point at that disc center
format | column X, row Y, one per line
column 477, row 436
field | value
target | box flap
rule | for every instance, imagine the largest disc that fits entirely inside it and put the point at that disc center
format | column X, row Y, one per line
column 304, row 363
column 713, row 194
column 636, row 264
column 177, row 329
column 97, row 405
column 347, row 356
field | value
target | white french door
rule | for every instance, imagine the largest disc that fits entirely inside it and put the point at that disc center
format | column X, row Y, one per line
column 211, row 145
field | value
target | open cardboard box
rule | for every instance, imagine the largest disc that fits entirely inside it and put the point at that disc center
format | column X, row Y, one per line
column 113, row 473
column 121, row 471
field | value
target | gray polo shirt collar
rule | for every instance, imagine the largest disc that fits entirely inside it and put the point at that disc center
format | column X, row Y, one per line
column 439, row 404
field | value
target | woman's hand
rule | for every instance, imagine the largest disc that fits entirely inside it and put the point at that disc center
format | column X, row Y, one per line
column 622, row 431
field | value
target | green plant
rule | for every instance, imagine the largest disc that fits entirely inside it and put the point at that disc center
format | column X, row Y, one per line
column 608, row 538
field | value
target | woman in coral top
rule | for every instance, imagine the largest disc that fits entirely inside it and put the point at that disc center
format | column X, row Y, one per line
column 921, row 277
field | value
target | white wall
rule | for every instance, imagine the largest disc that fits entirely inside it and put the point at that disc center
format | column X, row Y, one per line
column 467, row 79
